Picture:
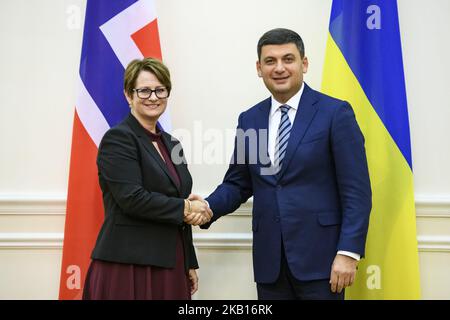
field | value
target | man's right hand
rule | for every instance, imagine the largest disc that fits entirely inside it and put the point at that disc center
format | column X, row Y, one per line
column 199, row 212
column 199, row 198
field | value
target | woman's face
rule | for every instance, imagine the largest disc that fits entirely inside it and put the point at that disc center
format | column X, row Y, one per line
column 151, row 108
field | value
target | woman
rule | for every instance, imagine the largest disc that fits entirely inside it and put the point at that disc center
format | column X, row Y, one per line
column 144, row 249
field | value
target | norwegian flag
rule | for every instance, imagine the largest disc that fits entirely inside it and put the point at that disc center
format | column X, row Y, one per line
column 115, row 32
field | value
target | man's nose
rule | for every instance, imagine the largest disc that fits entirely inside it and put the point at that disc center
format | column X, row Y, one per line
column 279, row 67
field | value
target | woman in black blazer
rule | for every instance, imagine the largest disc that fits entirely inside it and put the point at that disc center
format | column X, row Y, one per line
column 144, row 249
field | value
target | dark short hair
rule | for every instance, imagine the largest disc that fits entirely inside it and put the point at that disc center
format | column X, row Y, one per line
column 151, row 65
column 281, row 36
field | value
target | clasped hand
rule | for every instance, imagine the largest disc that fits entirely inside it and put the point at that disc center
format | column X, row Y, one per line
column 199, row 212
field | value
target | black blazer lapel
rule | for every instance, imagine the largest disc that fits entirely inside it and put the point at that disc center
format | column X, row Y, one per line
column 305, row 113
column 148, row 145
column 179, row 162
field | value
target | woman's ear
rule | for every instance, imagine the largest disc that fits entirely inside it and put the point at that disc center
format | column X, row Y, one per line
column 129, row 99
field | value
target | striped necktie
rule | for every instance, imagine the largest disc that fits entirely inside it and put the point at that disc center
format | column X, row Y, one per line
column 284, row 131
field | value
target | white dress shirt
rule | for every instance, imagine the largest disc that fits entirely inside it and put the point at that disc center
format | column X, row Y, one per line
column 274, row 122
column 275, row 118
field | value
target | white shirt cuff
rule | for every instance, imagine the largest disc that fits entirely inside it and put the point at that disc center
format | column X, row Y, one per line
column 353, row 255
column 207, row 203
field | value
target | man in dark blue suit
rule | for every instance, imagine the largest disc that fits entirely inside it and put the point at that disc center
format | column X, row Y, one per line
column 307, row 172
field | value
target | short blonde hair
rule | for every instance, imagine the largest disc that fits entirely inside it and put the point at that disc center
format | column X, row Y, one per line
column 152, row 65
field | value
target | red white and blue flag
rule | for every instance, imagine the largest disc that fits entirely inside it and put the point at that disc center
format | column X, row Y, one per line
column 115, row 32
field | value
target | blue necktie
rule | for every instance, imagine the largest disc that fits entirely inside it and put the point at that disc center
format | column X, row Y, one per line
column 284, row 131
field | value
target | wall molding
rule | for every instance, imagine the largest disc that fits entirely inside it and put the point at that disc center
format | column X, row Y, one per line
column 32, row 204
column 427, row 206
column 44, row 240
column 432, row 206
column 31, row 241
column 433, row 243
column 230, row 241
column 223, row 240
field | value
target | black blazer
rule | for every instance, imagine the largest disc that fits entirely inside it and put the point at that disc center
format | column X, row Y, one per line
column 143, row 206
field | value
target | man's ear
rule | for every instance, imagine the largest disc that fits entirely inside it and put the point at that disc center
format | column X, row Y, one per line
column 305, row 64
column 258, row 69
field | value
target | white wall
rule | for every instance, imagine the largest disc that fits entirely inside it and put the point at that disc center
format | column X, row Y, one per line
column 210, row 47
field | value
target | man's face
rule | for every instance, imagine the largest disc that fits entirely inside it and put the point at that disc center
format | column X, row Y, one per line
column 282, row 69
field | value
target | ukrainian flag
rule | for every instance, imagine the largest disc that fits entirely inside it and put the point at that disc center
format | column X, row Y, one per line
column 364, row 66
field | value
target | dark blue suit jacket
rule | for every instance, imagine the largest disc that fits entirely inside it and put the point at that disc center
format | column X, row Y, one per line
column 320, row 201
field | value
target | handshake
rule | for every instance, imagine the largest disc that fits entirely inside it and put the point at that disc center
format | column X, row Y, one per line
column 196, row 210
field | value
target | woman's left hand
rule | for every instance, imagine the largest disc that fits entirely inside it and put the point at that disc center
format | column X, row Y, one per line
column 193, row 278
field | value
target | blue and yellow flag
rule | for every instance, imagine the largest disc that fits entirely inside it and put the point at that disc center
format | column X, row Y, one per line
column 364, row 66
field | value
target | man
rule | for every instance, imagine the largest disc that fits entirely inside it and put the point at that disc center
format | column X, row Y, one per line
column 312, row 201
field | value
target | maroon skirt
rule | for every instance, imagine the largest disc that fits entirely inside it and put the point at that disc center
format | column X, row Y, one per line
column 117, row 281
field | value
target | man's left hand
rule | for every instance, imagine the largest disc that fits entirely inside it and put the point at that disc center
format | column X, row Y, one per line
column 343, row 272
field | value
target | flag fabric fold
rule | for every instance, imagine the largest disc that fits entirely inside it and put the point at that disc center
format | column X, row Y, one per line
column 115, row 32
column 364, row 66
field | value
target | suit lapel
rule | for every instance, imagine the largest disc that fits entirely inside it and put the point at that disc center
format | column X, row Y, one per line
column 148, row 145
column 262, row 126
column 305, row 113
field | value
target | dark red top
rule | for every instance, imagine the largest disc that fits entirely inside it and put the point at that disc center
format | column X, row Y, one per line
column 165, row 154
